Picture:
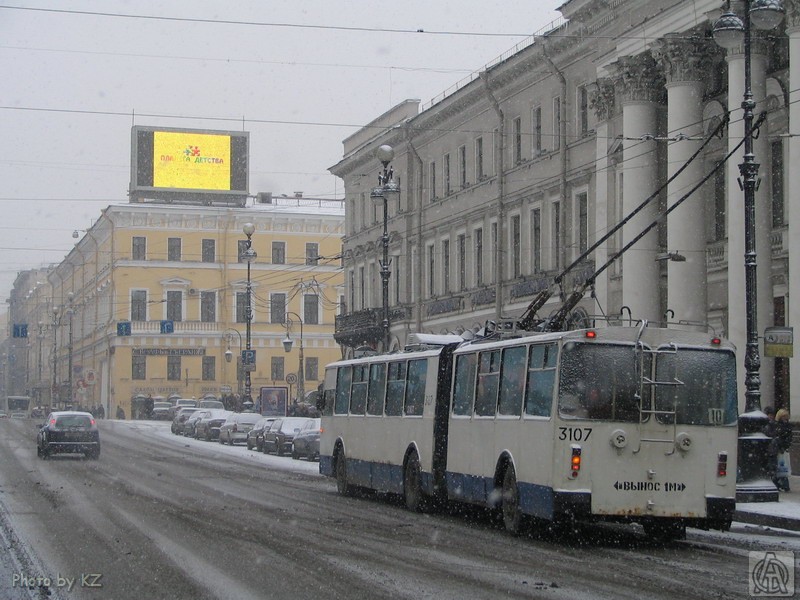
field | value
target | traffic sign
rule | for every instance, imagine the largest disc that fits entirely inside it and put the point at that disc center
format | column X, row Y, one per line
column 124, row 328
column 248, row 358
column 167, row 326
column 21, row 330
column 291, row 378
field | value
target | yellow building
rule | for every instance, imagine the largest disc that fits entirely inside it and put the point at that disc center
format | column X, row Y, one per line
column 144, row 269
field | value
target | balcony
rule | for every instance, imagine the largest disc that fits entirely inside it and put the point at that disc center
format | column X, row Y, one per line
column 365, row 327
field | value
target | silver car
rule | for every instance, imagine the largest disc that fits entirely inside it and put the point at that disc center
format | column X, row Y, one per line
column 236, row 427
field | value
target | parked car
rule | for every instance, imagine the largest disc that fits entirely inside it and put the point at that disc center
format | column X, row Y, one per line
column 278, row 438
column 180, row 403
column 207, row 428
column 211, row 404
column 306, row 443
column 190, row 426
column 68, row 432
column 237, row 426
column 161, row 410
column 255, row 437
column 180, row 419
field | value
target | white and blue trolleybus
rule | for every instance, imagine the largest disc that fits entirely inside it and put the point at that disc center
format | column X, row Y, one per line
column 619, row 423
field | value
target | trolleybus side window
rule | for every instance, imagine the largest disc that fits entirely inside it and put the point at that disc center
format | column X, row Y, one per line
column 395, row 389
column 377, row 389
column 488, row 383
column 415, row 388
column 541, row 380
column 358, row 397
column 464, row 384
column 707, row 394
column 600, row 381
column 512, row 381
column 343, row 381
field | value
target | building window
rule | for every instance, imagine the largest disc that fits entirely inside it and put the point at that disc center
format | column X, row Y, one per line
column 495, row 250
column 583, row 221
column 208, row 307
column 209, row 251
column 174, row 368
column 139, row 248
column 241, row 307
column 209, row 368
column 311, row 368
column 446, row 266
column 277, row 308
column 138, row 367
column 174, row 306
column 557, row 235
column 312, row 253
column 479, row 257
column 241, row 249
column 516, row 132
column 462, row 262
column 536, row 239
column 431, row 270
column 536, row 117
column 583, row 110
column 138, row 305
column 278, row 253
column 397, row 279
column 516, row 247
column 352, row 292
column 446, row 174
column 362, row 287
column 556, row 123
column 173, row 249
column 462, row 166
column 311, row 309
column 777, row 183
column 432, row 180
column 719, row 205
column 479, row 171
column 276, row 368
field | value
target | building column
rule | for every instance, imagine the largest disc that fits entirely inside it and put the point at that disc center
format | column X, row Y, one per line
column 737, row 321
column 641, row 90
column 686, row 63
column 602, row 101
column 793, row 192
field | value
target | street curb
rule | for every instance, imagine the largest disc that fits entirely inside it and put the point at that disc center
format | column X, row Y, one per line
column 767, row 520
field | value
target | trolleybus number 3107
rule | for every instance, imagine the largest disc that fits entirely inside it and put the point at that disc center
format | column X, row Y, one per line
column 574, row 434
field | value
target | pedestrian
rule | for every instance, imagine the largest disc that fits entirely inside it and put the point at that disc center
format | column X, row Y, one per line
column 120, row 413
column 782, row 441
column 101, row 412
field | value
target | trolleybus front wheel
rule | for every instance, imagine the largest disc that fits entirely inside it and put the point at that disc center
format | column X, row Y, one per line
column 512, row 513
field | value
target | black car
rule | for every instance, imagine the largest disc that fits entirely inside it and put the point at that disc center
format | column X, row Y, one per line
column 306, row 441
column 68, row 432
column 255, row 437
column 278, row 438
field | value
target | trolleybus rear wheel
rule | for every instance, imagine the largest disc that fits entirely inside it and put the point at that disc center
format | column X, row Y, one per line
column 412, row 486
column 512, row 514
column 344, row 488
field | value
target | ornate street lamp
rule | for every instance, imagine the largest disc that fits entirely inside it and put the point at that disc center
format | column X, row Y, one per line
column 249, row 255
column 287, row 346
column 386, row 187
column 69, row 312
column 229, row 357
column 730, row 32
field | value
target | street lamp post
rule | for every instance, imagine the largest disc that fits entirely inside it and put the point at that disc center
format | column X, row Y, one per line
column 249, row 255
column 386, row 186
column 287, row 346
column 70, row 311
column 229, row 357
column 731, row 32
column 40, row 339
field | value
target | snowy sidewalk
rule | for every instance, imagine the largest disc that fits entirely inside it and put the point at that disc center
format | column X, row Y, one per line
column 784, row 514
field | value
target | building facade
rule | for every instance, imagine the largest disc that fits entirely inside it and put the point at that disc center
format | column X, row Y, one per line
column 624, row 112
column 152, row 301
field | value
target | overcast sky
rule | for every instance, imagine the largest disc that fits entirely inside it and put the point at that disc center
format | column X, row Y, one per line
column 299, row 75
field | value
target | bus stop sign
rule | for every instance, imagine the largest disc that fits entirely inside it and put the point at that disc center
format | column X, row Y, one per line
column 779, row 342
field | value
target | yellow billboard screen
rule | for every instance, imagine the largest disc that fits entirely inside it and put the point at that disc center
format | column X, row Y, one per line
column 191, row 161
column 171, row 161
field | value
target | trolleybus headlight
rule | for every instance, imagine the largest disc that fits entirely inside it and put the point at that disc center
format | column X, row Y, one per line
column 722, row 464
column 619, row 439
column 683, row 442
column 575, row 463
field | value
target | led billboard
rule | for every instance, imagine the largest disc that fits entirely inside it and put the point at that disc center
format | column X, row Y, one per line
column 186, row 164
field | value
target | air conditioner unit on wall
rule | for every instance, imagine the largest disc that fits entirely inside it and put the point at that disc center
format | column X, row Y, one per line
column 192, row 291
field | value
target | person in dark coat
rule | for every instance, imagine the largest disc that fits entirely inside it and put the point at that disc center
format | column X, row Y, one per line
column 783, row 441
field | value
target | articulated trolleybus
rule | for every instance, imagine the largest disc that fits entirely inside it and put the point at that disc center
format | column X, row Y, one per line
column 620, row 423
